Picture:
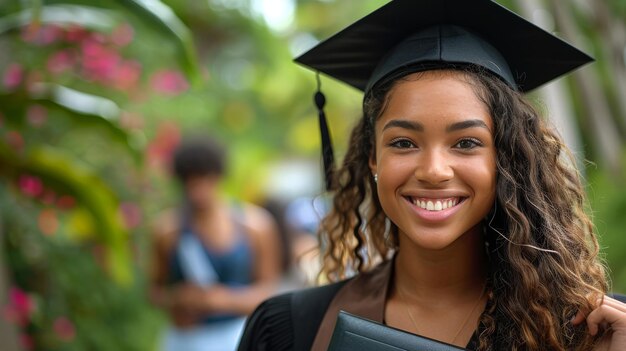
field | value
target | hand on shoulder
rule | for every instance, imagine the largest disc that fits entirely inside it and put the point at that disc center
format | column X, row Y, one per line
column 610, row 315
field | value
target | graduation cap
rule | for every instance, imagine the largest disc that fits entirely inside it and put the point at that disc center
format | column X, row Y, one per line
column 415, row 35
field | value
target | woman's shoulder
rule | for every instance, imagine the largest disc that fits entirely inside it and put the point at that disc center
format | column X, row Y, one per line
column 253, row 218
column 288, row 321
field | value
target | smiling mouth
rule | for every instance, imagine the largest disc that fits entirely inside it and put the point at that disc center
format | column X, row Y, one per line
column 435, row 204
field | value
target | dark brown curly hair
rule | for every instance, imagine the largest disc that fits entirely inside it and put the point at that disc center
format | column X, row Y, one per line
column 543, row 252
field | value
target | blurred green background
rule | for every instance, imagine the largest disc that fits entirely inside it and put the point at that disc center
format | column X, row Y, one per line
column 96, row 94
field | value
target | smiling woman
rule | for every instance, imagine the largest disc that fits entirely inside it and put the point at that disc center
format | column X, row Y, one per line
column 456, row 204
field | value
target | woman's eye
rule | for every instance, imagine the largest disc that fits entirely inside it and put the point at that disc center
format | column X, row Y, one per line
column 402, row 144
column 468, row 144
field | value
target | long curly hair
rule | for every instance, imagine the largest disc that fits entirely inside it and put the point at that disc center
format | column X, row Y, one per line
column 543, row 252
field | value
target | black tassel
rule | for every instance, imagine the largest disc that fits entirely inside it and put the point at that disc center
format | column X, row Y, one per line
column 327, row 147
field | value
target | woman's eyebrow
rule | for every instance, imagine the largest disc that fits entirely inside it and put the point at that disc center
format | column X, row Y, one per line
column 470, row 123
column 402, row 123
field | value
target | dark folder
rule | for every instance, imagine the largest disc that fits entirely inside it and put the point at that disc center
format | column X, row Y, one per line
column 355, row 333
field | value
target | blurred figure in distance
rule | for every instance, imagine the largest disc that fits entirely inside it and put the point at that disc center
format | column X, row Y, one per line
column 214, row 259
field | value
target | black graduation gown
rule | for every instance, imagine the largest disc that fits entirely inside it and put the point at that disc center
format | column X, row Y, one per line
column 305, row 319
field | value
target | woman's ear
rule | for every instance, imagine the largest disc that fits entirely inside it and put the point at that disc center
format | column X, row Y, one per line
column 372, row 162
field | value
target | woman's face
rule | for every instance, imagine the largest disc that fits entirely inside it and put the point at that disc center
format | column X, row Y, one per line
column 435, row 158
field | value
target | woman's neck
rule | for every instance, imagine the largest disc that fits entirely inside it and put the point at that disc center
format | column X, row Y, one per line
column 453, row 271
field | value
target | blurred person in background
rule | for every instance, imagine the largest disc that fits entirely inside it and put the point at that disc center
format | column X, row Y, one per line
column 298, row 220
column 214, row 259
column 303, row 216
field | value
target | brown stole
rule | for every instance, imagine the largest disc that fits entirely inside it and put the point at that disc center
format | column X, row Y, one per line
column 364, row 296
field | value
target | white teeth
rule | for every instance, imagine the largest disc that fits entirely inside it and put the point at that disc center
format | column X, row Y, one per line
column 435, row 205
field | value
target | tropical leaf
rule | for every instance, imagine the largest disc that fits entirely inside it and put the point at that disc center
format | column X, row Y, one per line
column 165, row 20
column 64, row 175
column 85, row 16
column 84, row 110
column 77, row 101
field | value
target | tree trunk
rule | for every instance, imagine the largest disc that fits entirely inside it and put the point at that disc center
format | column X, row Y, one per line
column 604, row 131
column 613, row 31
column 555, row 95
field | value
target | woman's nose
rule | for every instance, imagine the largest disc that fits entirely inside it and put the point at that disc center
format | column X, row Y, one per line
column 433, row 167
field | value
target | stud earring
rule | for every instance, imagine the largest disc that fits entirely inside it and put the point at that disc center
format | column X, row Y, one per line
column 375, row 178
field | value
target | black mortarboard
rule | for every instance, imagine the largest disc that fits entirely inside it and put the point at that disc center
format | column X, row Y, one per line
column 426, row 34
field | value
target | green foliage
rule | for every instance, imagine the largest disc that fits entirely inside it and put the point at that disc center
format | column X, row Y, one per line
column 67, row 282
column 71, row 171
column 608, row 203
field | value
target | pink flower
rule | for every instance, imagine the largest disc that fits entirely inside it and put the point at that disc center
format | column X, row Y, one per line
column 21, row 300
column 13, row 76
column 19, row 308
column 60, row 61
column 30, row 185
column 99, row 62
column 127, row 75
column 169, row 82
column 36, row 115
column 122, row 35
column 64, row 329
column 131, row 213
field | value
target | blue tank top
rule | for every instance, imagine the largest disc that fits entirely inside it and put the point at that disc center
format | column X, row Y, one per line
column 233, row 266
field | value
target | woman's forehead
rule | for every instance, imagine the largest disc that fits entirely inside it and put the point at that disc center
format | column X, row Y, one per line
column 428, row 88
column 434, row 99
